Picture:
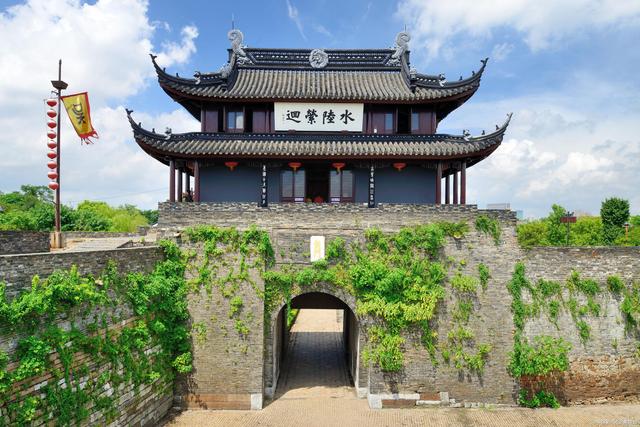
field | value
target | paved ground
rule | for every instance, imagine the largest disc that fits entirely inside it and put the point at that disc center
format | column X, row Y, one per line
column 314, row 391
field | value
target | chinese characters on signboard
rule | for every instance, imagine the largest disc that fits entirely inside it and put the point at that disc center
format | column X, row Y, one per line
column 319, row 117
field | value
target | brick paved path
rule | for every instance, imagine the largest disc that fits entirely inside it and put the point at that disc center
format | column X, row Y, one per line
column 315, row 364
column 314, row 391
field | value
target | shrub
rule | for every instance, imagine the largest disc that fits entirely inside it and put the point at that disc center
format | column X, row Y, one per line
column 614, row 213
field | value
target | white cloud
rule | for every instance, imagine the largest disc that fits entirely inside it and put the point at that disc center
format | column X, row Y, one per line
column 542, row 23
column 321, row 29
column 294, row 15
column 179, row 52
column 501, row 51
column 104, row 47
column 559, row 149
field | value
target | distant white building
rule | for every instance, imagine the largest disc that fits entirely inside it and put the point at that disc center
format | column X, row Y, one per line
column 505, row 207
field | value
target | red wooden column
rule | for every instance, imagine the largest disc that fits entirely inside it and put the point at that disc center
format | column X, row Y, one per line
column 196, row 179
column 447, row 190
column 187, row 185
column 463, row 183
column 180, row 187
column 172, row 180
column 456, row 200
column 438, row 183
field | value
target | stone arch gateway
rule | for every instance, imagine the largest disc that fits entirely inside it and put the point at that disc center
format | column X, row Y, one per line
column 321, row 296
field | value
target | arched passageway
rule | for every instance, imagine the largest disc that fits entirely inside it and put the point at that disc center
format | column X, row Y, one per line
column 317, row 355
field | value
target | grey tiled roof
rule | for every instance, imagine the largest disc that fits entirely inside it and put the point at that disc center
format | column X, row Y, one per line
column 322, row 85
column 353, row 76
column 284, row 145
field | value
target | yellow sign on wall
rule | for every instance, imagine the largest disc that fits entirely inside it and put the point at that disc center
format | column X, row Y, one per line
column 316, row 248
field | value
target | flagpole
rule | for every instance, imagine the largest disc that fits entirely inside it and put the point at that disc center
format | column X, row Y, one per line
column 59, row 85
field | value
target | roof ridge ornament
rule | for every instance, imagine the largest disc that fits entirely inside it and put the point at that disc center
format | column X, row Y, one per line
column 236, row 37
column 402, row 44
column 318, row 58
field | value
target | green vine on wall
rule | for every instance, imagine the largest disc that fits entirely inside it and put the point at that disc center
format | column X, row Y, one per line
column 398, row 281
column 157, row 299
column 547, row 355
column 490, row 226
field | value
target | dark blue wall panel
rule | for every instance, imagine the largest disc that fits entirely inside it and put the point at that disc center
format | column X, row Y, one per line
column 219, row 184
column 414, row 184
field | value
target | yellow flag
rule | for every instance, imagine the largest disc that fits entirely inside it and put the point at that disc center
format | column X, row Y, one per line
column 77, row 106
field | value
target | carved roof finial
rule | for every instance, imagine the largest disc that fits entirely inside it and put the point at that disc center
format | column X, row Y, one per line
column 402, row 44
column 236, row 37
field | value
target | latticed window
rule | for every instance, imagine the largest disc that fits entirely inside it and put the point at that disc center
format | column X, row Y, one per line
column 292, row 185
column 341, row 186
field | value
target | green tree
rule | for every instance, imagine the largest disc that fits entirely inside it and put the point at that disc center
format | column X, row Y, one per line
column 151, row 215
column 614, row 213
column 533, row 233
column 556, row 230
column 587, row 231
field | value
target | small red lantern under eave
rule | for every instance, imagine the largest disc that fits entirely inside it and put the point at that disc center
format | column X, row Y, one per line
column 399, row 166
column 52, row 165
column 51, row 144
column 52, row 154
column 295, row 165
column 231, row 165
column 51, row 133
column 52, row 124
column 52, row 102
column 52, row 175
column 338, row 166
column 51, row 113
column 53, row 185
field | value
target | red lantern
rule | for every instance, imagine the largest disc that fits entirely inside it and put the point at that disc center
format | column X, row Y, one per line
column 338, row 166
column 51, row 113
column 51, row 133
column 52, row 175
column 52, row 123
column 51, row 144
column 52, row 154
column 52, row 102
column 52, row 164
column 231, row 165
column 295, row 165
column 399, row 166
column 53, row 185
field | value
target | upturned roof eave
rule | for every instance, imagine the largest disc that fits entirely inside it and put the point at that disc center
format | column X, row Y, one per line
column 218, row 80
column 495, row 139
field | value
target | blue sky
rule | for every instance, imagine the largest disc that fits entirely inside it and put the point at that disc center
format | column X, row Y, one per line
column 567, row 70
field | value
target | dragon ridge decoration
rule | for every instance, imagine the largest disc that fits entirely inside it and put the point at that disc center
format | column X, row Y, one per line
column 402, row 44
column 238, row 55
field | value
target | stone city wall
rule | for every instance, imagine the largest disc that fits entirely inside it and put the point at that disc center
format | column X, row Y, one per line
column 16, row 271
column 606, row 365
column 292, row 225
column 24, row 242
column 137, row 406
column 227, row 342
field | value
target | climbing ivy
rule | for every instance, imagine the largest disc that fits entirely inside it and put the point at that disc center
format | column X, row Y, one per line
column 490, row 226
column 148, row 351
column 545, row 355
column 398, row 281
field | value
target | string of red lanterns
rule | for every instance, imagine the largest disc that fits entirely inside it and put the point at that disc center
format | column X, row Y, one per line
column 52, row 125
